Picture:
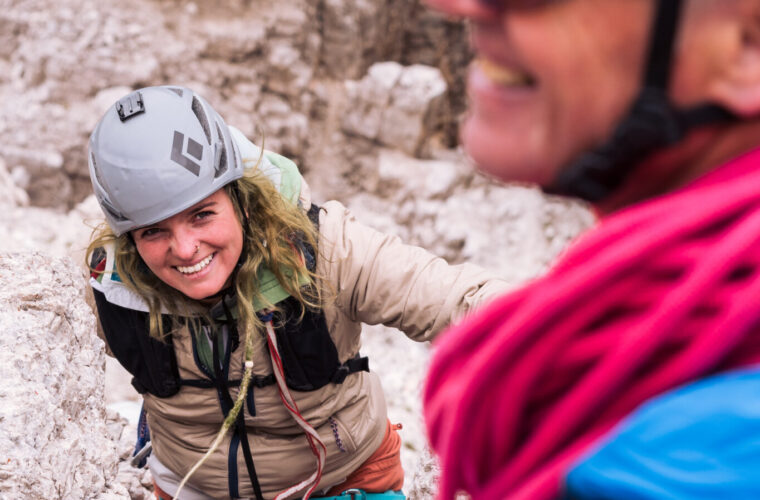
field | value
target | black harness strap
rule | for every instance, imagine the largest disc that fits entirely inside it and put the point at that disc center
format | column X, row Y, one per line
column 232, row 468
column 663, row 34
column 227, row 403
column 202, row 383
column 248, row 456
column 353, row 365
column 220, row 378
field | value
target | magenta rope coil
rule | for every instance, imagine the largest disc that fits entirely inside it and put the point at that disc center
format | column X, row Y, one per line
column 658, row 295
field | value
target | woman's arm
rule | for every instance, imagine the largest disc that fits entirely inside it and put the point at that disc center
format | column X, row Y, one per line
column 379, row 279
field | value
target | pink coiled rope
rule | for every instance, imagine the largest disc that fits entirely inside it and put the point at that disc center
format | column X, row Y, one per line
column 656, row 296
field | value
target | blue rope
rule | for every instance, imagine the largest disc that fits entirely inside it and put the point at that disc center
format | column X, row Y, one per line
column 357, row 494
column 143, row 439
column 265, row 316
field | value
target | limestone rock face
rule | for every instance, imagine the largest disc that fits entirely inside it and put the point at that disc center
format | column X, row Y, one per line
column 260, row 63
column 442, row 205
column 56, row 439
column 11, row 194
column 424, row 485
column 396, row 106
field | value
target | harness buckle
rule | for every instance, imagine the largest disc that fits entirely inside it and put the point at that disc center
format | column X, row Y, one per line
column 340, row 374
column 355, row 494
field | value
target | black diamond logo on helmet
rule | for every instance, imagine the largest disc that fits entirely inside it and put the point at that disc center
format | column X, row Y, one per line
column 194, row 149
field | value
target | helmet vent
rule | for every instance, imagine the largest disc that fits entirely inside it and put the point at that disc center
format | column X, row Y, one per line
column 177, row 91
column 201, row 115
column 221, row 165
column 96, row 169
column 234, row 156
column 112, row 211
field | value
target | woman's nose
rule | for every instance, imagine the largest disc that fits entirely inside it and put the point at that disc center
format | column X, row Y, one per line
column 185, row 246
column 482, row 10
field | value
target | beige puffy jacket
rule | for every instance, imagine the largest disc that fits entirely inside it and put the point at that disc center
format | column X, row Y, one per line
column 376, row 279
column 371, row 278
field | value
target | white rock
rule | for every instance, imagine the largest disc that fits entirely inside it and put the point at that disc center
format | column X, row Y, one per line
column 54, row 440
column 415, row 103
column 385, row 75
column 369, row 98
column 417, row 86
column 35, row 158
column 395, row 105
column 10, row 194
column 424, row 484
column 417, row 178
column 288, row 73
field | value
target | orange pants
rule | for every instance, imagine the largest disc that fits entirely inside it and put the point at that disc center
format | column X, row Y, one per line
column 161, row 494
column 381, row 472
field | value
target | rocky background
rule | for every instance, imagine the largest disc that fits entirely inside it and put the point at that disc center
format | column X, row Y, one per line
column 364, row 94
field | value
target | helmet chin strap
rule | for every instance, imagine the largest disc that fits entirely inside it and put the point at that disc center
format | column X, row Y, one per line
column 651, row 124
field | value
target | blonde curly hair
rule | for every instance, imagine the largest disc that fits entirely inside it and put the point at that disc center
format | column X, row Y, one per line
column 274, row 230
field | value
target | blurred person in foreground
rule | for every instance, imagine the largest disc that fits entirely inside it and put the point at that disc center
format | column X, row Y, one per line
column 630, row 370
column 236, row 303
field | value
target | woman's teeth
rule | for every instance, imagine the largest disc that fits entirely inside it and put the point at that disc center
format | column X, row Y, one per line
column 197, row 267
column 502, row 75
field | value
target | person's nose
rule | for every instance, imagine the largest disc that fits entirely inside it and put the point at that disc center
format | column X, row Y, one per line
column 480, row 10
column 184, row 245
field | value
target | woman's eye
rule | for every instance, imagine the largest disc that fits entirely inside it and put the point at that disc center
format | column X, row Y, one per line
column 204, row 214
column 151, row 231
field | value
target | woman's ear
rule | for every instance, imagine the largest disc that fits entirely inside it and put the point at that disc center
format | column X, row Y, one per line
column 738, row 86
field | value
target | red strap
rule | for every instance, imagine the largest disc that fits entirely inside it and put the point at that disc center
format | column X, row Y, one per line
column 318, row 448
column 99, row 269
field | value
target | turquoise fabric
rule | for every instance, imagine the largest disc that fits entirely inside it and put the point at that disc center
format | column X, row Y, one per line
column 355, row 494
column 290, row 185
column 284, row 174
column 699, row 442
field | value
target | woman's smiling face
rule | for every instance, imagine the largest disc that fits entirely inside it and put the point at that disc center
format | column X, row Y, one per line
column 550, row 80
column 196, row 250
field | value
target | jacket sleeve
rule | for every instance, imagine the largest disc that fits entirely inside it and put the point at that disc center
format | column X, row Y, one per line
column 376, row 278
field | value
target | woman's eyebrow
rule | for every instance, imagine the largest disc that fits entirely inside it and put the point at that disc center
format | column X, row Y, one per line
column 203, row 206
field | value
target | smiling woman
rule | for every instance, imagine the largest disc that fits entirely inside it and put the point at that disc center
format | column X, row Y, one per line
column 196, row 250
column 236, row 303
column 612, row 375
column 542, row 69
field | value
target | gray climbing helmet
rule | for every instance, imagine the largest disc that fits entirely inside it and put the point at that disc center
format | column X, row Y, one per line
column 156, row 152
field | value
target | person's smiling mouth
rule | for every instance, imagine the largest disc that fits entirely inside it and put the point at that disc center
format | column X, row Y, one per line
column 503, row 75
column 197, row 267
